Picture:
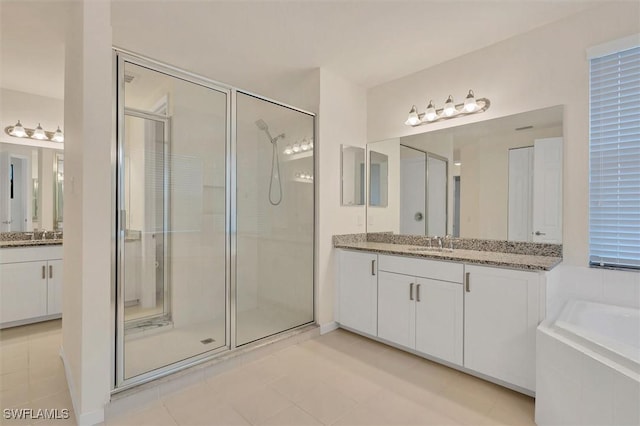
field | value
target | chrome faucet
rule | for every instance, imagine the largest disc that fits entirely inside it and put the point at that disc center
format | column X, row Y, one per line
column 449, row 240
column 439, row 241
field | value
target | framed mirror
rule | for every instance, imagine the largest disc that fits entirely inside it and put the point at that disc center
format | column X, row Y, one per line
column 497, row 179
column 378, row 179
column 352, row 176
column 30, row 197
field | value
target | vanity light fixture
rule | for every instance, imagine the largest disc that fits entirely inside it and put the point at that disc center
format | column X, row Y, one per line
column 58, row 136
column 304, row 176
column 306, row 144
column 38, row 133
column 471, row 105
column 19, row 131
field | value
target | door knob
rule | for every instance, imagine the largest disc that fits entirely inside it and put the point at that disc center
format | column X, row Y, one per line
column 418, row 216
column 540, row 233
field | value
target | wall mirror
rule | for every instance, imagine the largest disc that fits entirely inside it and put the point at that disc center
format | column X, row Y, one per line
column 31, row 192
column 498, row 179
column 352, row 173
column 378, row 179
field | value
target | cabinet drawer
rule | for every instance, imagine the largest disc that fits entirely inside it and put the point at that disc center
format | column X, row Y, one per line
column 437, row 270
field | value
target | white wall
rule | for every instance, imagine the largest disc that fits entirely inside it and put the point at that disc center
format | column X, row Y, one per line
column 342, row 120
column 545, row 67
column 86, row 324
column 542, row 68
column 30, row 109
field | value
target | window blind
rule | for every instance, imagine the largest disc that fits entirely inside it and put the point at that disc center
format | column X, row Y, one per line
column 614, row 184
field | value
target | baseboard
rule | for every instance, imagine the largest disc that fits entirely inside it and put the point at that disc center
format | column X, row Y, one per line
column 330, row 326
column 88, row 419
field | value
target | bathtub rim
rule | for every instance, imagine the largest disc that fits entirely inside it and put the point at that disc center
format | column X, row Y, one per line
column 611, row 359
column 621, row 349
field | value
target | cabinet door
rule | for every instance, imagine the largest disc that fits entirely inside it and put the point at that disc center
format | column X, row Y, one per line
column 396, row 308
column 23, row 291
column 54, row 287
column 358, row 292
column 501, row 316
column 439, row 313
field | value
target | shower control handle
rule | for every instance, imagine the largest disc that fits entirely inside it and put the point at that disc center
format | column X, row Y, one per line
column 539, row 233
column 373, row 267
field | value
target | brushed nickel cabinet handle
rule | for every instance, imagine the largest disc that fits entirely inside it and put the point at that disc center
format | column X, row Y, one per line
column 418, row 292
column 50, row 271
column 466, row 282
column 373, row 267
column 44, row 273
column 411, row 291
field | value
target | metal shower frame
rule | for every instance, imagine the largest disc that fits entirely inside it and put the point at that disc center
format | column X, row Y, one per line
column 120, row 56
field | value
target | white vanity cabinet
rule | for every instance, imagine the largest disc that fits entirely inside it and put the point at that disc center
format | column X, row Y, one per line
column 502, row 310
column 358, row 291
column 481, row 319
column 30, row 284
column 422, row 311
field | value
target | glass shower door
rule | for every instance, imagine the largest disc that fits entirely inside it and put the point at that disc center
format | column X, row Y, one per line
column 173, row 239
column 274, row 218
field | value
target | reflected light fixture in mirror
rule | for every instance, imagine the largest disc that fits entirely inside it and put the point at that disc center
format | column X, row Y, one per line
column 471, row 105
column 19, row 131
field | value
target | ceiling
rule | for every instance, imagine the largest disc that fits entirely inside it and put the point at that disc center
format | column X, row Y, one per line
column 252, row 44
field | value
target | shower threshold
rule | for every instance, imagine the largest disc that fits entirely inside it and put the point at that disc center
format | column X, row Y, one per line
column 147, row 324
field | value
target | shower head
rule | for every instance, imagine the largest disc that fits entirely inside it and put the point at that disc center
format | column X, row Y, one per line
column 262, row 125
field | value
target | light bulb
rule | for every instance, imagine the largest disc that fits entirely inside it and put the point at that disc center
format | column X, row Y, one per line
column 296, row 147
column 304, row 145
column 58, row 136
column 431, row 113
column 39, row 134
column 457, row 163
column 288, row 150
column 413, row 119
column 449, row 107
column 470, row 102
column 18, row 131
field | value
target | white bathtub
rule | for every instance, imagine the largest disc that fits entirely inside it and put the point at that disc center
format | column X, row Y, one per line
column 588, row 366
column 612, row 331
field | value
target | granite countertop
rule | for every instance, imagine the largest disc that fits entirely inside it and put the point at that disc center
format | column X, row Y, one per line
column 489, row 258
column 30, row 243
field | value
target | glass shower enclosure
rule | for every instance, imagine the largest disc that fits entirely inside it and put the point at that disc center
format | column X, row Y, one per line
column 214, row 219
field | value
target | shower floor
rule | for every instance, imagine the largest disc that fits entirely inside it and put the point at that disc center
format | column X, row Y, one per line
column 158, row 347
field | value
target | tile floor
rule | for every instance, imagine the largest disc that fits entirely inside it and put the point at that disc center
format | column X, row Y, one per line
column 336, row 379
column 31, row 371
